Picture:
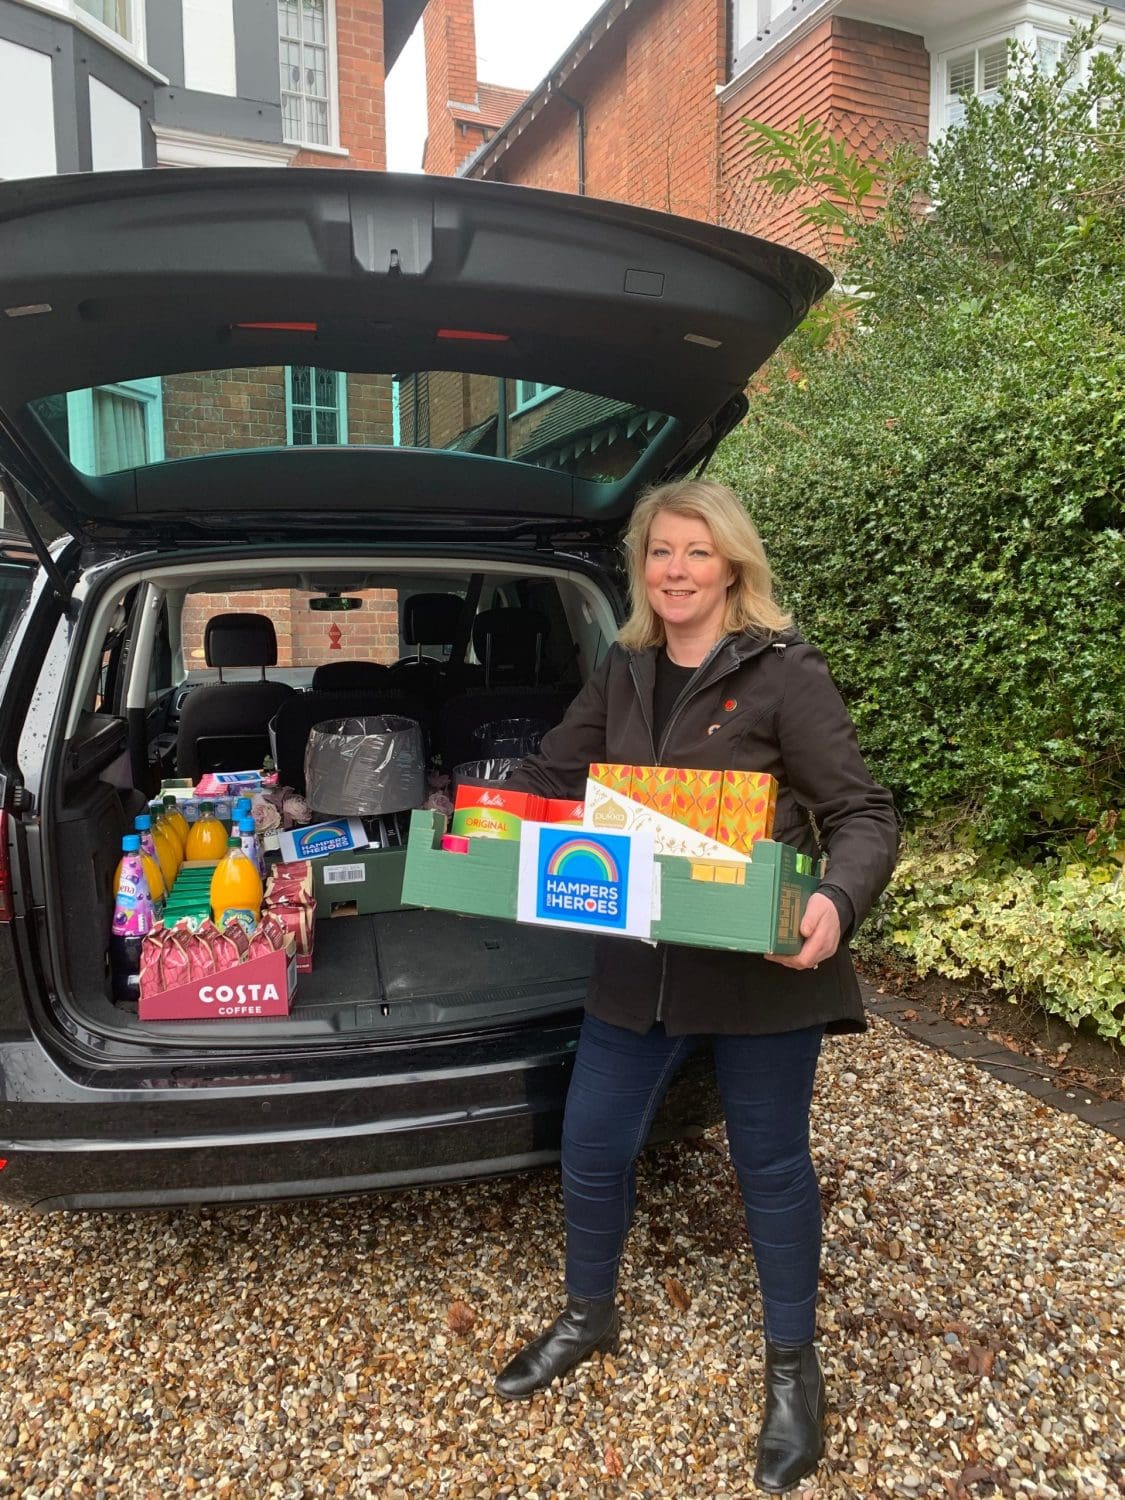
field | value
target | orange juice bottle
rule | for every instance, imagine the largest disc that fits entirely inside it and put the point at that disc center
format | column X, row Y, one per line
column 236, row 889
column 167, row 855
column 207, row 838
column 175, row 822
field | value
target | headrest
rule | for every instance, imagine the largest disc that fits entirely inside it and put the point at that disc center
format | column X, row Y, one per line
column 509, row 644
column 240, row 641
column 431, row 619
column 348, row 676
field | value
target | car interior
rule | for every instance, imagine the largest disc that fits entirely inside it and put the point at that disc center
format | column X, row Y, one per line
column 189, row 669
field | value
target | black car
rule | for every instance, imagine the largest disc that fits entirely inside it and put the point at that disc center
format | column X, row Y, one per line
column 233, row 403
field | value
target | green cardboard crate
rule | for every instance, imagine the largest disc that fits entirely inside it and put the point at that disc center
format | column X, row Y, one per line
column 481, row 883
column 761, row 916
column 358, row 882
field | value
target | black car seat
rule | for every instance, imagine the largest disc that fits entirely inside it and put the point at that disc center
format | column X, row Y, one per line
column 509, row 646
column 299, row 713
column 224, row 725
column 348, row 676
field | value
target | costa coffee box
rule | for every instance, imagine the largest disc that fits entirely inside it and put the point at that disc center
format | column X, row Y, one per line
column 247, row 991
column 746, row 810
column 696, row 800
column 493, row 812
column 559, row 810
column 300, row 923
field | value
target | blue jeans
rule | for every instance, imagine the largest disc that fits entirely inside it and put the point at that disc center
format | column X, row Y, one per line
column 766, row 1085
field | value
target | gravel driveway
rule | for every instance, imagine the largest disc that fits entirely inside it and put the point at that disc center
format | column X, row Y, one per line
column 970, row 1323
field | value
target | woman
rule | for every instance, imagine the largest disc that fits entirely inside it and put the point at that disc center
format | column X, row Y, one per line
column 708, row 673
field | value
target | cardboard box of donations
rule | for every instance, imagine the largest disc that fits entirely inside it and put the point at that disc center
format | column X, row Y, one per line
column 617, row 883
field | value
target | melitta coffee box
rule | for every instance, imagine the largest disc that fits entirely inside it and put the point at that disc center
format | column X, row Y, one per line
column 493, row 812
column 746, row 810
column 560, row 810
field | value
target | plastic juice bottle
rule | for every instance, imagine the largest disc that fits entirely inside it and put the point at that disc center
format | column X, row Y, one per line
column 158, row 889
column 177, row 823
column 167, row 855
column 236, row 889
column 251, row 844
column 154, row 879
column 132, row 918
column 207, row 838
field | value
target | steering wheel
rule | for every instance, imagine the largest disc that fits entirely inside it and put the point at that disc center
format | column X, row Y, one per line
column 420, row 661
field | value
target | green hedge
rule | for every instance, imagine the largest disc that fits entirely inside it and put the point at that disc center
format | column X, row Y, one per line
column 1052, row 933
column 941, row 501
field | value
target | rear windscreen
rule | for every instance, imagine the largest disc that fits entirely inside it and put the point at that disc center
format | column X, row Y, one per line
column 134, row 423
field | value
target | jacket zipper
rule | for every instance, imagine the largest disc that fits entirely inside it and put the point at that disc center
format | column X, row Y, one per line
column 688, row 692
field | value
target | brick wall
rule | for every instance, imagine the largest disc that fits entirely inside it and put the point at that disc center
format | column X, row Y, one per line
column 869, row 84
column 205, row 413
column 451, row 75
column 361, row 83
column 370, row 419
column 304, row 637
column 648, row 88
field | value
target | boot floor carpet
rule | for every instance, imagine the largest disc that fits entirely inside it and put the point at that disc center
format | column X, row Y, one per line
column 433, row 964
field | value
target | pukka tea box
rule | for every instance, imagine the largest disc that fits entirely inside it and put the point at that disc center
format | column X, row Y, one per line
column 696, row 800
column 493, row 812
column 655, row 787
column 617, row 778
column 746, row 811
column 561, row 810
column 608, row 811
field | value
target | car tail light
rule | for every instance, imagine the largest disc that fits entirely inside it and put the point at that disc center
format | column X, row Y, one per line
column 474, row 335
column 6, row 911
column 3, row 1162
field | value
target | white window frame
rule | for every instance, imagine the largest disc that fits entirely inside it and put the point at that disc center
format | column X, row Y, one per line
column 341, row 409
column 80, row 420
column 530, row 393
column 1027, row 26
column 134, row 45
column 332, row 146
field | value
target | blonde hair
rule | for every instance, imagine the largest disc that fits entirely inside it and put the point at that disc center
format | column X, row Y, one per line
column 750, row 602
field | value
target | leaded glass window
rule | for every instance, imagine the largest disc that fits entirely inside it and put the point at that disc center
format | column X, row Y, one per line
column 316, row 406
column 303, row 54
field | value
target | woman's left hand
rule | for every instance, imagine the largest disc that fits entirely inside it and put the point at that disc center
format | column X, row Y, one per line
column 820, row 928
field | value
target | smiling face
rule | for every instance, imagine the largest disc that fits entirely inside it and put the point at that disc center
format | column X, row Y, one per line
column 686, row 580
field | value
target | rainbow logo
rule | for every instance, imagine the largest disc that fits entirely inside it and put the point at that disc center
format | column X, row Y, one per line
column 582, row 849
column 582, row 879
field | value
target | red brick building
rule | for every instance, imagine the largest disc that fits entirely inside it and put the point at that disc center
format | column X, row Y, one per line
column 649, row 104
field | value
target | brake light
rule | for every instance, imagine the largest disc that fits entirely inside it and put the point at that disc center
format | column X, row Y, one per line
column 283, row 327
column 3, row 1162
column 473, row 334
column 6, row 909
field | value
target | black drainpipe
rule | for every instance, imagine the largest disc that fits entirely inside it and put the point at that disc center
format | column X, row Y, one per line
column 580, row 116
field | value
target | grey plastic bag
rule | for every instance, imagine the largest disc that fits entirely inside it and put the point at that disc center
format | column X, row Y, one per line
column 365, row 767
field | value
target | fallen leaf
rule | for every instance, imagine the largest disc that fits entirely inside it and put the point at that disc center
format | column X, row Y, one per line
column 614, row 1463
column 910, row 1015
column 981, row 1360
column 460, row 1317
column 677, row 1293
column 976, row 1474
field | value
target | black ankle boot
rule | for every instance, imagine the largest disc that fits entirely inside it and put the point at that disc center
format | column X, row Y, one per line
column 583, row 1328
column 792, row 1437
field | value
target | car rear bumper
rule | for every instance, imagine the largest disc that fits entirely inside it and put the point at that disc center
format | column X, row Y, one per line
column 181, row 1141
